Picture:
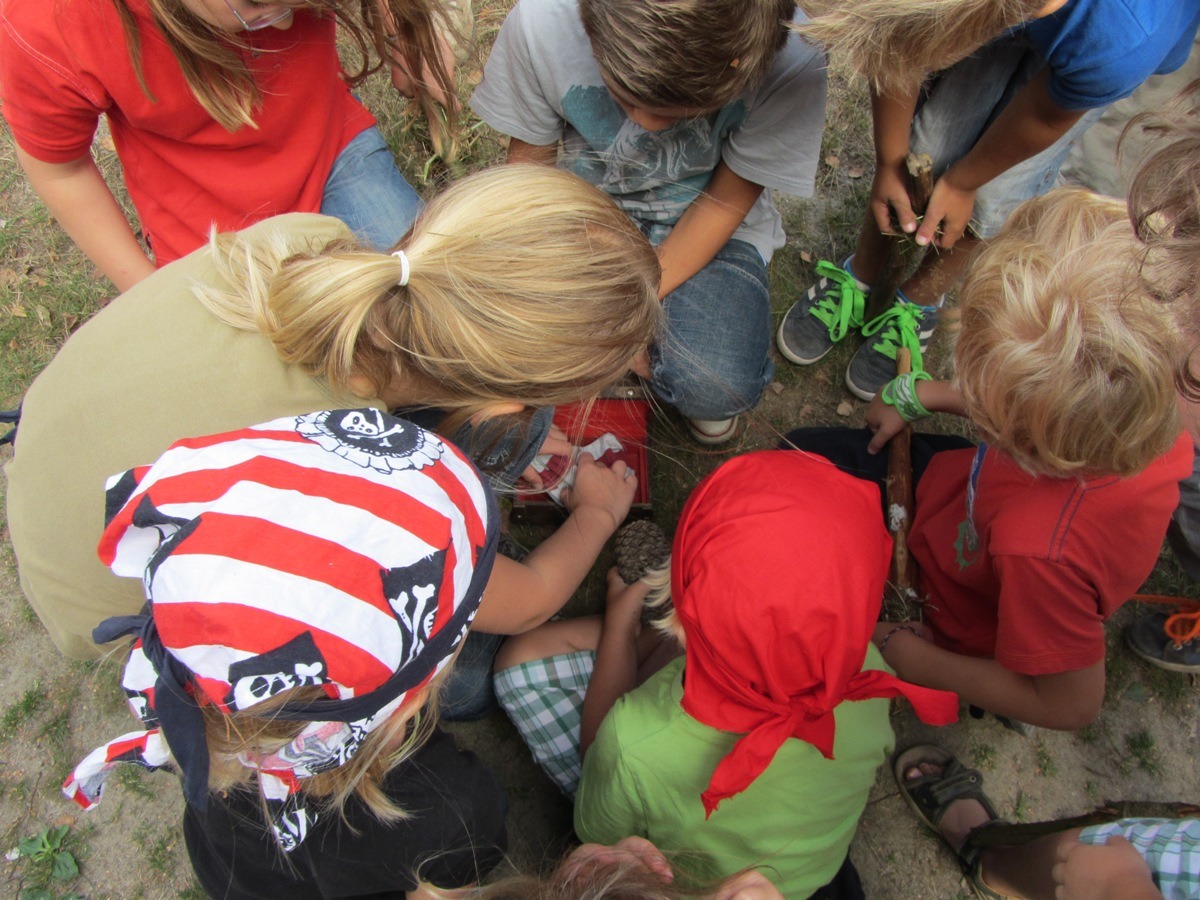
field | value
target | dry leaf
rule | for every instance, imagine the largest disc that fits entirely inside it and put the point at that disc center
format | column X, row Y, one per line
column 856, row 171
column 43, row 315
column 19, row 312
column 806, row 256
column 9, row 276
column 832, row 161
column 70, row 322
column 776, row 387
column 845, row 408
column 107, row 143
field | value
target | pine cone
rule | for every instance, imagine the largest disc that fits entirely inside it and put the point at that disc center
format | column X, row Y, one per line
column 640, row 546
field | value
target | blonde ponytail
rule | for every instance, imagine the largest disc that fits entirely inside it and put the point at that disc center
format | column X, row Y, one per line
column 525, row 284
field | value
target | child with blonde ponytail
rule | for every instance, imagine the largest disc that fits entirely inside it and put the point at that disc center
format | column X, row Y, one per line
column 223, row 112
column 525, row 287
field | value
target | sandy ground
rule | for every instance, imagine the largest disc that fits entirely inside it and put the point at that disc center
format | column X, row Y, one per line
column 130, row 846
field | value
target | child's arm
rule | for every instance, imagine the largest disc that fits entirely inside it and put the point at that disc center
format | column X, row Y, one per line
column 891, row 122
column 80, row 200
column 1026, row 127
column 523, row 595
column 1065, row 701
column 541, row 155
column 615, row 670
column 705, row 227
column 886, row 422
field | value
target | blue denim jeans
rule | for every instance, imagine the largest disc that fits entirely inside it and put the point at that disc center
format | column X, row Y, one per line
column 960, row 104
column 713, row 359
column 367, row 192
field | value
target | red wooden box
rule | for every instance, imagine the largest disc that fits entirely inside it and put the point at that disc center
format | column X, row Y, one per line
column 628, row 420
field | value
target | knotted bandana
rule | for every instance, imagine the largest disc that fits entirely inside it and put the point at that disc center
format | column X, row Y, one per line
column 777, row 573
column 344, row 549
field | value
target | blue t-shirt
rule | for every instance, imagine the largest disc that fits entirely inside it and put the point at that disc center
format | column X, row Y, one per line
column 1098, row 51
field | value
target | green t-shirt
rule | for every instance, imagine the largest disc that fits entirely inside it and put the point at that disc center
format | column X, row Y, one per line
column 152, row 367
column 651, row 761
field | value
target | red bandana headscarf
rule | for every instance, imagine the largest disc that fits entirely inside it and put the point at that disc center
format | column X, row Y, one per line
column 777, row 574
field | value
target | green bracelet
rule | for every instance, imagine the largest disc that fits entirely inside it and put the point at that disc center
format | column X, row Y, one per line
column 901, row 394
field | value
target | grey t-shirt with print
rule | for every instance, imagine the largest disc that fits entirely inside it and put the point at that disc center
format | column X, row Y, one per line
column 541, row 84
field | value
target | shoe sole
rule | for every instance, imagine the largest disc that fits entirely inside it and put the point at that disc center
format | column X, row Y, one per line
column 788, row 354
column 713, row 440
column 859, row 392
column 1162, row 663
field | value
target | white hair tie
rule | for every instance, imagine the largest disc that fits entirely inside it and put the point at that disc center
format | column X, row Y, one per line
column 404, row 269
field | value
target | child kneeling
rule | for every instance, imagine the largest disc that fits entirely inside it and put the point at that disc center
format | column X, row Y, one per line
column 743, row 753
column 1027, row 543
column 308, row 589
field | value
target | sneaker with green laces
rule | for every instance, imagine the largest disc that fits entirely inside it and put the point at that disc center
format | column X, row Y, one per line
column 903, row 325
column 827, row 313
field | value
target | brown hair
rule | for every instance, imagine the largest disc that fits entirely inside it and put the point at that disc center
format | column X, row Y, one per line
column 896, row 44
column 216, row 72
column 1065, row 360
column 1164, row 203
column 685, row 53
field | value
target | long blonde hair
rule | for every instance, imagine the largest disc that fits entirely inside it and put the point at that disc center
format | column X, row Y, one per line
column 216, row 72
column 526, row 284
column 257, row 732
column 896, row 44
column 1065, row 360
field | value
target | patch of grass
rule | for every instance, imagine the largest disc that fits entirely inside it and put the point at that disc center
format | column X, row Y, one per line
column 1045, row 760
column 985, row 756
column 159, row 849
column 22, row 711
column 1021, row 807
column 134, row 780
column 1142, row 748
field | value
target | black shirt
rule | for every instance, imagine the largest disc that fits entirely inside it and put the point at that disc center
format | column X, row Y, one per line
column 453, row 836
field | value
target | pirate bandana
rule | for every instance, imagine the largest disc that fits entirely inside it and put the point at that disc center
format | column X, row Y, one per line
column 346, row 550
column 777, row 574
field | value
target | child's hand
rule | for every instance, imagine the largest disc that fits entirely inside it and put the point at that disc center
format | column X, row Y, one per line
column 889, row 191
column 624, row 601
column 555, row 444
column 1098, row 872
column 884, row 422
column 949, row 211
column 599, row 487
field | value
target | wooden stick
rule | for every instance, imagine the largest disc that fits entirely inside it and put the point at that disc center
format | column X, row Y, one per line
column 903, row 254
column 903, row 574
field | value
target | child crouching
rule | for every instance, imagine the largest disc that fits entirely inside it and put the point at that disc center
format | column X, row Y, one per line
column 744, row 753
column 307, row 591
column 1028, row 542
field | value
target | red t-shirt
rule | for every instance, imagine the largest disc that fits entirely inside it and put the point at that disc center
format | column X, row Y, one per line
column 1054, row 557
column 64, row 62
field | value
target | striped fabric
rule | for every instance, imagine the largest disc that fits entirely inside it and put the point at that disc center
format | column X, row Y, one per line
column 1171, row 848
column 344, row 549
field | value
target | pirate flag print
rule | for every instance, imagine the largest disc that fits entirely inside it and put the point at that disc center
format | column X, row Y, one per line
column 344, row 550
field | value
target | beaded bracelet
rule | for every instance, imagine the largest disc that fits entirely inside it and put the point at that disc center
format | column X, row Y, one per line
column 887, row 637
column 901, row 394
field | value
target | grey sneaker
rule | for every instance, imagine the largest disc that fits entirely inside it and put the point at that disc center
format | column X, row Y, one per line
column 874, row 365
column 1148, row 638
column 822, row 317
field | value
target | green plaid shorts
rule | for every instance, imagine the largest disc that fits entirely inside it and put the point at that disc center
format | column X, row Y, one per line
column 1171, row 847
column 544, row 699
